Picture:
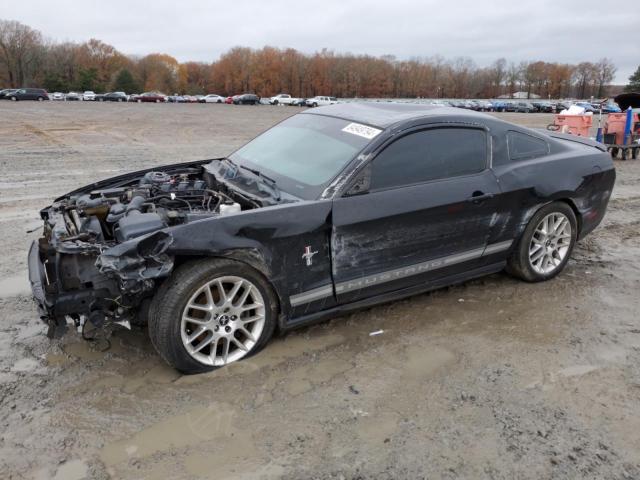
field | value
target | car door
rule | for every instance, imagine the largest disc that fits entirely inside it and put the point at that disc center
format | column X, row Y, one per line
column 426, row 213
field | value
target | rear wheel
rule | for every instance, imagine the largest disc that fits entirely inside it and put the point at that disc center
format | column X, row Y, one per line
column 546, row 244
column 210, row 313
column 14, row 99
column 41, row 99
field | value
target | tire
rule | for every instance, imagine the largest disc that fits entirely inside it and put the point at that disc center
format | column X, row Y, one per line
column 219, row 101
column 168, row 330
column 139, row 101
column 157, row 100
column 528, row 262
column 41, row 99
column 119, row 100
column 14, row 99
column 314, row 104
column 275, row 102
column 101, row 99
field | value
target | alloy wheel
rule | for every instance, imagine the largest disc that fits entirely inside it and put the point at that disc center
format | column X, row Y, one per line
column 223, row 320
column 550, row 243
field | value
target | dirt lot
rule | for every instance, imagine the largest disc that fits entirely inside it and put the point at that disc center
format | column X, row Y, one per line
column 494, row 379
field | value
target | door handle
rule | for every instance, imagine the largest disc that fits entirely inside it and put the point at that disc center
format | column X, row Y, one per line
column 479, row 197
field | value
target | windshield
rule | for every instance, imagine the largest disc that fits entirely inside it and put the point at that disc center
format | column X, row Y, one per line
column 304, row 153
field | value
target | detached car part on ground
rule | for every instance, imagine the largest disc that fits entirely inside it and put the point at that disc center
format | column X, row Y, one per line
column 334, row 209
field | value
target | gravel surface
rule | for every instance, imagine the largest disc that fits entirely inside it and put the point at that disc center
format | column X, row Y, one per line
column 494, row 379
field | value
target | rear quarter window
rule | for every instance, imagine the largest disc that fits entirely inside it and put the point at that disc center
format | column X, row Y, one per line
column 523, row 146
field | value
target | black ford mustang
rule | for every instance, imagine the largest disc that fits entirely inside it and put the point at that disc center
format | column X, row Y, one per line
column 333, row 209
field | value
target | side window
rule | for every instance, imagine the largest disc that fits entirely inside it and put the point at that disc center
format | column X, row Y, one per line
column 523, row 146
column 430, row 155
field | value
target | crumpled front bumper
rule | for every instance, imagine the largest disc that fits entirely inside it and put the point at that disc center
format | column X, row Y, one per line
column 38, row 281
column 53, row 306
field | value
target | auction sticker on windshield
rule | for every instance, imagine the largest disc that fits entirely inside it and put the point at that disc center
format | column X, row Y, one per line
column 361, row 130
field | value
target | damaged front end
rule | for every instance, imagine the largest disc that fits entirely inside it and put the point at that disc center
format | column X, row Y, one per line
column 104, row 247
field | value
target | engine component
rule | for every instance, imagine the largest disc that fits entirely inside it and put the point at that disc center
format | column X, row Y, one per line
column 229, row 207
column 137, row 224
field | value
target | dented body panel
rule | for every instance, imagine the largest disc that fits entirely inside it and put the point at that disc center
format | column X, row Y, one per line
column 108, row 246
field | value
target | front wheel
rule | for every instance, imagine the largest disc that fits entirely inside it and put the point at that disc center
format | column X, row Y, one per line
column 210, row 313
column 546, row 244
column 14, row 99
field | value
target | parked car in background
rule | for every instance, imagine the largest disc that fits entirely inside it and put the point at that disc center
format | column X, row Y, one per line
column 88, row 96
column 175, row 98
column 246, row 99
column 72, row 97
column 215, row 255
column 200, row 98
column 499, row 106
column 543, row 107
column 611, row 107
column 190, row 99
column 510, row 107
column 482, row 106
column 283, row 99
column 151, row 97
column 299, row 102
column 587, row 107
column 112, row 97
column 38, row 94
column 562, row 106
column 59, row 96
column 4, row 94
column 212, row 98
column 607, row 107
column 229, row 99
column 524, row 107
column 321, row 101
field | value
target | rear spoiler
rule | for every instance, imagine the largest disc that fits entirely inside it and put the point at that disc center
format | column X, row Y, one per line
column 575, row 138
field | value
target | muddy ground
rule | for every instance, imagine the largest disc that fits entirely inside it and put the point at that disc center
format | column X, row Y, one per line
column 493, row 379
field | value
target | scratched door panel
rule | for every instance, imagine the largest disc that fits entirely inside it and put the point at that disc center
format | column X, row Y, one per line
column 391, row 239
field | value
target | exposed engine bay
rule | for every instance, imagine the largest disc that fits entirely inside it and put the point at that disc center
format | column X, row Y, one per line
column 85, row 257
column 157, row 201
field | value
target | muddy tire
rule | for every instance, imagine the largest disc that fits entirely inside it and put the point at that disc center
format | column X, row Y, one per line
column 210, row 313
column 545, row 246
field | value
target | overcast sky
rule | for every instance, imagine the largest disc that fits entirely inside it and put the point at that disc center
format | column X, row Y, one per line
column 553, row 30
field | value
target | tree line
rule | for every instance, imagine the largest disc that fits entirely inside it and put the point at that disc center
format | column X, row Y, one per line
column 27, row 58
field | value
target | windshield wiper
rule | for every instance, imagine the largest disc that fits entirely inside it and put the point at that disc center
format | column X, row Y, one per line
column 266, row 179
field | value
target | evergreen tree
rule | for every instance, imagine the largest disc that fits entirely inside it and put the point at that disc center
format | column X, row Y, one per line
column 125, row 82
column 634, row 82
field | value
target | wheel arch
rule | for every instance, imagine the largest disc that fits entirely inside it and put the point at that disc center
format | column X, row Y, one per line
column 250, row 257
column 569, row 201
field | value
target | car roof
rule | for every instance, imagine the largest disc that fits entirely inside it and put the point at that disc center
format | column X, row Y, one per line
column 383, row 115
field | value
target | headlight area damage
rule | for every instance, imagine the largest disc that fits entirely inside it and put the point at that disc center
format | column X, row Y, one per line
column 104, row 247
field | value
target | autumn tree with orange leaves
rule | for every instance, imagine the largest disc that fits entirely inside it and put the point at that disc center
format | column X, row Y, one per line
column 27, row 60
